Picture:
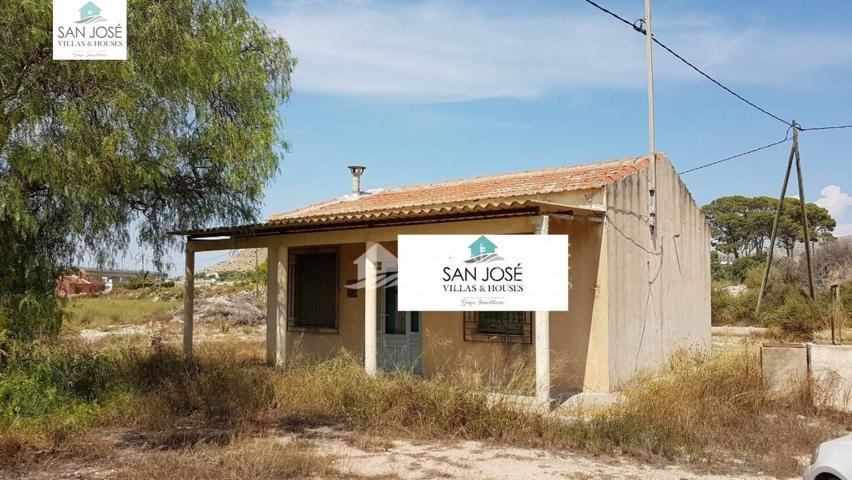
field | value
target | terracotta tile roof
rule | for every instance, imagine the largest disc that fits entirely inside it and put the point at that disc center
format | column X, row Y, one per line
column 453, row 195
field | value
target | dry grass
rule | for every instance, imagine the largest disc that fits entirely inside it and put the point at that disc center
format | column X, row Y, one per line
column 243, row 459
column 712, row 407
column 103, row 312
column 702, row 408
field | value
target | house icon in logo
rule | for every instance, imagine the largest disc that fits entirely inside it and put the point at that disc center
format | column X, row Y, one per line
column 89, row 10
column 482, row 246
column 483, row 250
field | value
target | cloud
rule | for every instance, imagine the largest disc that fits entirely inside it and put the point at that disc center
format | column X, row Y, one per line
column 835, row 201
column 445, row 51
column 843, row 230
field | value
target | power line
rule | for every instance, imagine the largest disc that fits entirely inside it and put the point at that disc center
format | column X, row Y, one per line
column 830, row 127
column 615, row 15
column 637, row 26
column 732, row 157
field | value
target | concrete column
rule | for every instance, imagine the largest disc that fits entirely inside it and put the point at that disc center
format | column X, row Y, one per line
column 370, row 271
column 542, row 340
column 277, row 261
column 188, row 300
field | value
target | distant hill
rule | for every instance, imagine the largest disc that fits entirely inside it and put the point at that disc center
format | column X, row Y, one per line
column 242, row 261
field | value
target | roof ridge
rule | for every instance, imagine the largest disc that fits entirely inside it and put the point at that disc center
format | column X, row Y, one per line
column 508, row 174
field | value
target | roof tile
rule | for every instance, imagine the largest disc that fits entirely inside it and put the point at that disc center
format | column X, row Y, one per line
column 493, row 187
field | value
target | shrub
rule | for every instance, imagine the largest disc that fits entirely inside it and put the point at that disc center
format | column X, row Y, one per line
column 739, row 268
column 52, row 389
column 797, row 316
column 727, row 309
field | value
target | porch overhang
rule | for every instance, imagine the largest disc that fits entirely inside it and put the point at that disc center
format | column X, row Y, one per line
column 408, row 216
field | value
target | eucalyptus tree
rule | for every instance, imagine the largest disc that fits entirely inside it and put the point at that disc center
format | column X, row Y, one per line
column 184, row 133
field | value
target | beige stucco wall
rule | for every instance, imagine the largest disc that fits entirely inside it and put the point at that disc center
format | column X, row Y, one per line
column 659, row 293
column 578, row 337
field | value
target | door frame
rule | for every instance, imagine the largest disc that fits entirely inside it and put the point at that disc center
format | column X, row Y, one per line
column 413, row 339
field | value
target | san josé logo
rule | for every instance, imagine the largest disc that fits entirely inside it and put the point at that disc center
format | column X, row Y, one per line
column 480, row 274
column 90, row 13
column 85, row 30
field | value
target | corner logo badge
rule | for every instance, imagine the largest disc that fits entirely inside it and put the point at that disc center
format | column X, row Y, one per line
column 85, row 30
column 483, row 250
column 90, row 13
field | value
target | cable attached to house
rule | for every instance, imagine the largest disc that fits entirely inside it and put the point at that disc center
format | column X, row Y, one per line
column 732, row 157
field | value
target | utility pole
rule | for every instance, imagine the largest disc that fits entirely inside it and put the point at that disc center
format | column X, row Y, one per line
column 655, row 260
column 794, row 155
column 649, row 60
column 804, row 207
column 652, row 142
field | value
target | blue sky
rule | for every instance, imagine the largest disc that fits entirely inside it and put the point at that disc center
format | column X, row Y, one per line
column 424, row 91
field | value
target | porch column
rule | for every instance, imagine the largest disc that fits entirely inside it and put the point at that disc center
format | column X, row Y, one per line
column 277, row 259
column 370, row 271
column 188, row 300
column 542, row 340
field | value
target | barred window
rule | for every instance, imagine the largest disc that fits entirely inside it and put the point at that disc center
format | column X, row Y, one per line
column 312, row 288
column 511, row 327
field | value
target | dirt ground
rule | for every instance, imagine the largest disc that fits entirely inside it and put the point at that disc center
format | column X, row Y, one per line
column 408, row 459
column 357, row 455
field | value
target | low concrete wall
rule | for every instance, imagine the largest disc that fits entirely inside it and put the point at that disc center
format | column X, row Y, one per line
column 825, row 370
column 785, row 370
column 831, row 376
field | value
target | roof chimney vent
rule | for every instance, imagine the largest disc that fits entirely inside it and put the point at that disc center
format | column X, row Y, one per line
column 357, row 171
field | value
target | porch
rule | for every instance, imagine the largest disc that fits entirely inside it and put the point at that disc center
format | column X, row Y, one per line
column 304, row 312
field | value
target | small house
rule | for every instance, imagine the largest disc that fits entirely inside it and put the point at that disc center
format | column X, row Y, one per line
column 89, row 10
column 639, row 274
column 482, row 246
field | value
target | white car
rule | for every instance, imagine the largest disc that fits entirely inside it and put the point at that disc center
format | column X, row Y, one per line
column 832, row 460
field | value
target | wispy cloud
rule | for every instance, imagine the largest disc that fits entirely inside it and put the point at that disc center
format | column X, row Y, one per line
column 448, row 51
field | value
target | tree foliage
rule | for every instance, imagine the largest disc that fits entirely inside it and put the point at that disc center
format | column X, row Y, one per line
column 742, row 226
column 182, row 134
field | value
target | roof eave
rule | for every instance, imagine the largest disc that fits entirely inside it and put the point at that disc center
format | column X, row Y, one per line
column 302, row 225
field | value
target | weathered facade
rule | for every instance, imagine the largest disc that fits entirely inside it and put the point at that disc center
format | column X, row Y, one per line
column 639, row 284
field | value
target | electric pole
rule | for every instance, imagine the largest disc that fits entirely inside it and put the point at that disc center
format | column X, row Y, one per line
column 652, row 142
column 794, row 156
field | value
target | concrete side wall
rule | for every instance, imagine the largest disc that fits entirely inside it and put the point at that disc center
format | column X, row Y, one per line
column 659, row 292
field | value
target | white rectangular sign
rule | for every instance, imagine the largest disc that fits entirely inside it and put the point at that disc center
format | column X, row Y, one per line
column 483, row 272
column 90, row 30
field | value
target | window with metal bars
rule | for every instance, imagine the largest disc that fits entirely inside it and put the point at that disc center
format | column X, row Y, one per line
column 312, row 290
column 508, row 327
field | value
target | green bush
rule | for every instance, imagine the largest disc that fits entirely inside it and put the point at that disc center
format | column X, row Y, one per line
column 738, row 269
column 798, row 317
column 52, row 389
column 727, row 309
